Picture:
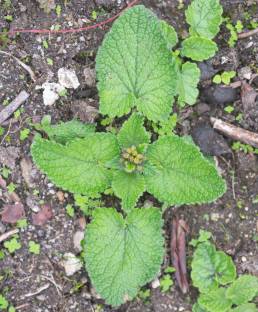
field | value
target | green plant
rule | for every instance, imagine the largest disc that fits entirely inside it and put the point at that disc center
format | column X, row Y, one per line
column 34, row 248
column 12, row 245
column 131, row 165
column 70, row 210
column 225, row 77
column 214, row 274
column 124, row 250
column 234, row 30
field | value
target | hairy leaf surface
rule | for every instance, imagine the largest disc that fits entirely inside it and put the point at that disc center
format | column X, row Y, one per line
column 133, row 132
column 243, row 289
column 188, row 79
column 68, row 131
column 134, row 67
column 247, row 307
column 177, row 173
column 205, row 17
column 81, row 166
column 215, row 300
column 129, row 187
column 169, row 34
column 211, row 268
column 198, row 48
column 121, row 255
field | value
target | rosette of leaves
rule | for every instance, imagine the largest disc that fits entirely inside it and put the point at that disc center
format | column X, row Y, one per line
column 214, row 274
column 171, row 169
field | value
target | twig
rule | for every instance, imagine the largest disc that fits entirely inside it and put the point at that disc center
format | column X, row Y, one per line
column 23, row 65
column 51, row 279
column 76, row 30
column 248, row 33
column 44, row 287
column 8, row 111
column 22, row 306
column 6, row 235
column 235, row 133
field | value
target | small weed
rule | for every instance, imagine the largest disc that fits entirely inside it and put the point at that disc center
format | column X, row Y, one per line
column 34, row 248
column 12, row 245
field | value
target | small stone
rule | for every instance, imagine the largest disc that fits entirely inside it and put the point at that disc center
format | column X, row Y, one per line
column 71, row 264
column 219, row 95
column 32, row 202
column 84, row 110
column 155, row 284
column 77, row 238
column 67, row 78
column 60, row 196
column 243, row 259
column 215, row 216
column 26, row 169
column 51, row 92
column 210, row 142
column 245, row 73
column 90, row 76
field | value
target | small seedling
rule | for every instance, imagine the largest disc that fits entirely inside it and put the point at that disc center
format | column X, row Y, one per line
column 229, row 109
column 45, row 44
column 11, row 187
column 58, row 10
column 12, row 245
column 166, row 282
column 50, row 61
column 22, row 223
column 70, row 210
column 34, row 248
column 24, row 134
column 225, row 77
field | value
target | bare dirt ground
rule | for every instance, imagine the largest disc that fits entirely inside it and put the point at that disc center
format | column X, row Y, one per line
column 232, row 219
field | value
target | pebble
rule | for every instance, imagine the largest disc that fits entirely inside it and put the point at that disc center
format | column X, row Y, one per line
column 215, row 216
column 210, row 142
column 245, row 73
column 67, row 78
column 155, row 284
column 219, row 95
column 77, row 238
column 243, row 259
column 71, row 264
column 51, row 92
column 60, row 196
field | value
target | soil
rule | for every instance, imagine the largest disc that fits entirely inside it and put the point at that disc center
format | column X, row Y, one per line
column 232, row 219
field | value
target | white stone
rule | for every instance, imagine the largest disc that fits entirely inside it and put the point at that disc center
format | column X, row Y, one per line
column 90, row 76
column 155, row 284
column 77, row 238
column 243, row 259
column 51, row 92
column 71, row 264
column 67, row 78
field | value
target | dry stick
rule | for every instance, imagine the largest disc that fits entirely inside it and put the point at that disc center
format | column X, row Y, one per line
column 44, row 287
column 248, row 33
column 235, row 133
column 23, row 65
column 6, row 235
column 11, row 108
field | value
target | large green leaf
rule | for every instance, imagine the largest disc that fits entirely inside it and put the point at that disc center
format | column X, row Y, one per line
column 211, row 268
column 133, row 132
column 243, row 289
column 121, row 255
column 129, row 187
column 188, row 79
column 68, row 131
column 247, row 307
column 134, row 67
column 198, row 308
column 198, row 48
column 205, row 17
column 177, row 173
column 81, row 166
column 215, row 300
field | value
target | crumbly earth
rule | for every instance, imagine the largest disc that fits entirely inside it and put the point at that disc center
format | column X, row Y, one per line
column 34, row 283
